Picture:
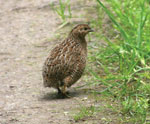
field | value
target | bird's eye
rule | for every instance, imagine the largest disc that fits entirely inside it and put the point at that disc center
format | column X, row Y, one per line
column 85, row 28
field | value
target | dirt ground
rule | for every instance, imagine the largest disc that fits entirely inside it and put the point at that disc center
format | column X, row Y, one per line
column 25, row 27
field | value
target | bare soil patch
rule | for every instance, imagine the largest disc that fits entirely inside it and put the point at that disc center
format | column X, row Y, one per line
column 25, row 29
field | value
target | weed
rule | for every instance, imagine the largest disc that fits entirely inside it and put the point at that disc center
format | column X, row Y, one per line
column 61, row 10
column 84, row 112
column 122, row 67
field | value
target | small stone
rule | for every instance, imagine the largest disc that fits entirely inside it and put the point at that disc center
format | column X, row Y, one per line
column 11, row 86
column 66, row 113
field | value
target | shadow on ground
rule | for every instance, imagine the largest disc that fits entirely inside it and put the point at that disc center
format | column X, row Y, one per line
column 72, row 93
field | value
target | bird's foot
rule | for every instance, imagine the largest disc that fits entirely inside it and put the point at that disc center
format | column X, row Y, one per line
column 63, row 95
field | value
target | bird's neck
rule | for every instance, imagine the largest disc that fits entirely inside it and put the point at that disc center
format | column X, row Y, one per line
column 77, row 38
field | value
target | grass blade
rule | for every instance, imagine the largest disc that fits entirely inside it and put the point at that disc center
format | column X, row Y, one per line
column 123, row 33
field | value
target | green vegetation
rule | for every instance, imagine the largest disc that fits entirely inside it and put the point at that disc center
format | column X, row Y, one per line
column 61, row 10
column 122, row 66
column 85, row 112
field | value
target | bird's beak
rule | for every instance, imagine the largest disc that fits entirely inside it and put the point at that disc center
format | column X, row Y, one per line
column 91, row 30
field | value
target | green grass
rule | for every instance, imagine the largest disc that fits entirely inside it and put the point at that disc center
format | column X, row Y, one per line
column 85, row 112
column 63, row 10
column 121, row 68
column 123, row 65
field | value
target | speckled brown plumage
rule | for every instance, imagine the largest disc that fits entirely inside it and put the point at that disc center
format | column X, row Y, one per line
column 66, row 62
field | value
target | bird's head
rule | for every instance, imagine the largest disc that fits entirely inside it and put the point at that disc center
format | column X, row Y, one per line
column 81, row 30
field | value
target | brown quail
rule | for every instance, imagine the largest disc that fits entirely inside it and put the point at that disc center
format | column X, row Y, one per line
column 66, row 62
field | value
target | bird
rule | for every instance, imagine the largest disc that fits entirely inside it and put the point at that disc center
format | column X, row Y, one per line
column 66, row 62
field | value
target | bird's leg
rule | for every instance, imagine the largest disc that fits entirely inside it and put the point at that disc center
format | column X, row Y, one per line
column 62, row 90
column 64, row 93
column 59, row 91
column 59, row 88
